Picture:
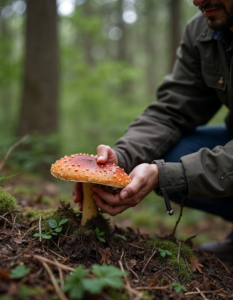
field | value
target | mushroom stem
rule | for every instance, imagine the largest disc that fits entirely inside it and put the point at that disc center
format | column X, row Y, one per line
column 90, row 208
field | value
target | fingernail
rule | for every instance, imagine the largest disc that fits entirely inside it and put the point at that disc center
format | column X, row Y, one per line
column 94, row 197
column 124, row 195
column 100, row 157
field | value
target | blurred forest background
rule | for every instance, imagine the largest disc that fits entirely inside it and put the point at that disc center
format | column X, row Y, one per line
column 75, row 73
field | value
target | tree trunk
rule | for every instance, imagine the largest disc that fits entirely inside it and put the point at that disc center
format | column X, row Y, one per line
column 39, row 104
column 150, row 39
column 175, row 28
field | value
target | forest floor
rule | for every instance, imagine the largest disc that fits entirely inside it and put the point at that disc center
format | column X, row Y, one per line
column 158, row 267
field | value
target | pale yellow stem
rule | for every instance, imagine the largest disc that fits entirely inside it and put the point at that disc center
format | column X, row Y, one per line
column 90, row 208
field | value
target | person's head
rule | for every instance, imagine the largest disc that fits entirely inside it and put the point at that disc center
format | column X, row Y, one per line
column 219, row 13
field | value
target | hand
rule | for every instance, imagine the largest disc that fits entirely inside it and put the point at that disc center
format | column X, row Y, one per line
column 104, row 154
column 144, row 178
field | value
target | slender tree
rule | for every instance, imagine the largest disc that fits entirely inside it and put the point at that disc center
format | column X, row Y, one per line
column 39, row 103
column 175, row 28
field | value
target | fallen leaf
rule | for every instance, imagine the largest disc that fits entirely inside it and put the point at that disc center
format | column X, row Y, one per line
column 132, row 263
column 105, row 254
column 95, row 247
column 195, row 264
column 5, row 274
column 209, row 284
column 154, row 280
column 18, row 240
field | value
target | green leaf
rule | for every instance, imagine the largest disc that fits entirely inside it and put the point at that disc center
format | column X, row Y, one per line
column 38, row 234
column 97, row 231
column 4, row 178
column 19, row 272
column 53, row 223
column 57, row 219
column 47, row 237
column 168, row 252
column 77, row 291
column 119, row 236
column 174, row 284
column 105, row 271
column 58, row 229
column 94, row 286
column 101, row 239
column 163, row 254
column 63, row 221
column 54, row 233
column 101, row 233
column 177, row 289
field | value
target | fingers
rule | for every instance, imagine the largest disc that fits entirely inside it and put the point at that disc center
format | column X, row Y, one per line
column 106, row 153
column 77, row 194
column 133, row 188
column 109, row 209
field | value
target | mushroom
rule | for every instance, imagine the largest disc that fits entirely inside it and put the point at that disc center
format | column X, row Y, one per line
column 84, row 168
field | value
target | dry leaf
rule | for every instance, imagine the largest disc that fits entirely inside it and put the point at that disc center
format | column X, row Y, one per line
column 5, row 274
column 209, row 284
column 18, row 240
column 195, row 264
column 132, row 263
column 95, row 247
column 105, row 254
column 154, row 280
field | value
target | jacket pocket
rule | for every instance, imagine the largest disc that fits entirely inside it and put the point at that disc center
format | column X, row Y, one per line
column 216, row 78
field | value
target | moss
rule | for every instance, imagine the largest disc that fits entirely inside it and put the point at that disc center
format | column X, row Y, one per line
column 185, row 251
column 7, row 201
column 25, row 291
column 165, row 280
column 33, row 214
column 83, row 231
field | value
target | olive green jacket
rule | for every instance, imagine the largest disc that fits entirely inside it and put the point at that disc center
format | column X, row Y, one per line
column 200, row 83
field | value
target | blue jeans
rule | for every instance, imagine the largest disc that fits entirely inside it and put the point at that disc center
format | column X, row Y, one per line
column 208, row 137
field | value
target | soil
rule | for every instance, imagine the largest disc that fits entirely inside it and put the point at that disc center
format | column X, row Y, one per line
column 148, row 272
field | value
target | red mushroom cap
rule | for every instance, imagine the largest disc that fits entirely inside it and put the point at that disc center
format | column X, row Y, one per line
column 84, row 168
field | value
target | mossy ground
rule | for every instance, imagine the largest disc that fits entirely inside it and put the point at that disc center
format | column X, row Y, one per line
column 172, row 246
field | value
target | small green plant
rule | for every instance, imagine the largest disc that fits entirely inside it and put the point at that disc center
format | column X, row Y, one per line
column 163, row 253
column 178, row 287
column 106, row 276
column 19, row 272
column 4, row 178
column 119, row 236
column 56, row 227
column 165, row 280
column 99, row 233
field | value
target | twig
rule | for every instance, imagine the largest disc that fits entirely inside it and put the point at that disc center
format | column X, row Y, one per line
column 190, row 238
column 203, row 296
column 180, row 215
column 29, row 230
column 7, row 221
column 187, row 265
column 178, row 255
column 153, row 287
column 12, row 148
column 60, row 274
column 129, row 269
column 60, row 294
column 128, row 287
column 40, row 229
column 137, row 246
column 149, row 261
column 55, row 253
column 203, row 292
column 43, row 259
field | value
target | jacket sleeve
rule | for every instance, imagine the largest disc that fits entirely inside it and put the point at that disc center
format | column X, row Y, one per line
column 209, row 173
column 184, row 102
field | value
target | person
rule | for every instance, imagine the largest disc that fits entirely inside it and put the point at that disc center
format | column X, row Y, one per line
column 168, row 148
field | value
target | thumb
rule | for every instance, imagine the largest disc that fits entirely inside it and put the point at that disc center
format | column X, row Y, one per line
column 106, row 153
column 132, row 188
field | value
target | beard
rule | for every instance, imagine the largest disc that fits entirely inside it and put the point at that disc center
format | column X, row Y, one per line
column 225, row 22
